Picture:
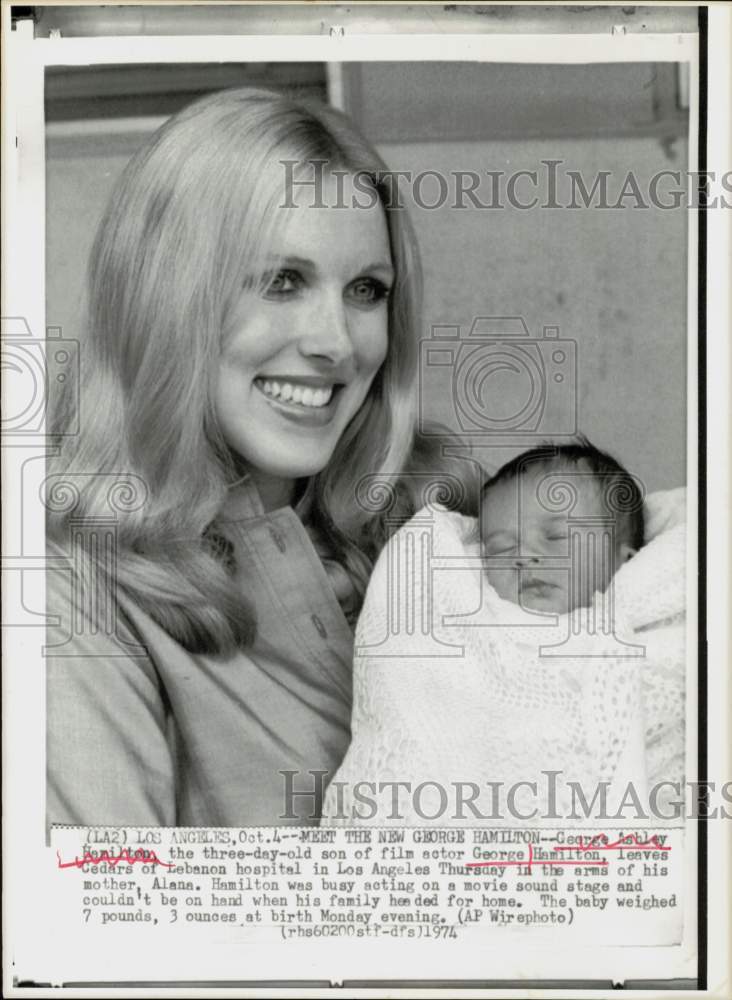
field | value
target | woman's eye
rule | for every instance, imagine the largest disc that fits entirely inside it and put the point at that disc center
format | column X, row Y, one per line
column 280, row 283
column 368, row 291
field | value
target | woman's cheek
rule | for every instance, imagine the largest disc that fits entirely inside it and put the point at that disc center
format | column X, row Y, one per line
column 374, row 342
column 232, row 402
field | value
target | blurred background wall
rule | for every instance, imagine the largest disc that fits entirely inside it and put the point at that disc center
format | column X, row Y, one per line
column 612, row 280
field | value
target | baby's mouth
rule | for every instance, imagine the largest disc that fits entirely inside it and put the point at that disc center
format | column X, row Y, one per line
column 297, row 393
column 537, row 587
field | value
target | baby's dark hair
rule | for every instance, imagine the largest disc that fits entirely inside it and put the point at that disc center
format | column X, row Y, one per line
column 622, row 491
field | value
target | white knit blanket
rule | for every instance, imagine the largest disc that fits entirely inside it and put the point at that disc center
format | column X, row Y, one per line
column 453, row 685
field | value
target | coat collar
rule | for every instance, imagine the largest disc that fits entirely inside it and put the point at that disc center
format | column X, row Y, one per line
column 242, row 502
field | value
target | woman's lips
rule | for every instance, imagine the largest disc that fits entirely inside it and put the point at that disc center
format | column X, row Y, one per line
column 309, row 392
column 310, row 401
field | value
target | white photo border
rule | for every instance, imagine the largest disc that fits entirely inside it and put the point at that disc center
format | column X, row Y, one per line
column 24, row 295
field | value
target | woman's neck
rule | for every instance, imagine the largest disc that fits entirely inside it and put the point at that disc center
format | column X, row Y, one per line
column 274, row 492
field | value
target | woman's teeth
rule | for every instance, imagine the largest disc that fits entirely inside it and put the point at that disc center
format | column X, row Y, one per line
column 289, row 392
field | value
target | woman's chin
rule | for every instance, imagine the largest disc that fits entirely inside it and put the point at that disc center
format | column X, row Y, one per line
column 292, row 466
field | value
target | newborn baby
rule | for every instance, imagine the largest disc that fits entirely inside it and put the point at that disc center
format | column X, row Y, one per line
column 547, row 637
column 530, row 506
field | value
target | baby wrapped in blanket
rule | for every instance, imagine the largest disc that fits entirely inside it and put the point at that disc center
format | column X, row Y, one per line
column 526, row 667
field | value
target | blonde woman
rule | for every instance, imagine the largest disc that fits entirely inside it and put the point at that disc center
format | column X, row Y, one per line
column 250, row 357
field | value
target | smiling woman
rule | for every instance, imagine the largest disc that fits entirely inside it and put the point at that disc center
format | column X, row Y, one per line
column 302, row 350
column 249, row 361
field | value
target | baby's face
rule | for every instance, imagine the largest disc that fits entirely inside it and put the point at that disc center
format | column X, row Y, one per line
column 517, row 526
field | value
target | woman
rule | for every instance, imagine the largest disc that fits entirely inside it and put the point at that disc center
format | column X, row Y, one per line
column 250, row 361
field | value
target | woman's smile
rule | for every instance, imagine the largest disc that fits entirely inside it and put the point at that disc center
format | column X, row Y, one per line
column 310, row 401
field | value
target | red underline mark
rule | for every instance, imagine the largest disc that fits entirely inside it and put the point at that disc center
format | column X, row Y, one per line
column 141, row 854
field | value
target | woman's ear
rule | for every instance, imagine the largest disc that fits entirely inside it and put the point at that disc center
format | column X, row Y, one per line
column 626, row 552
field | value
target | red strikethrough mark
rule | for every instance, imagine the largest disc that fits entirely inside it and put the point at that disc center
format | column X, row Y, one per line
column 601, row 843
column 141, row 854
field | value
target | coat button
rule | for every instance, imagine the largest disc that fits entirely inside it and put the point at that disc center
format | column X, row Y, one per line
column 321, row 629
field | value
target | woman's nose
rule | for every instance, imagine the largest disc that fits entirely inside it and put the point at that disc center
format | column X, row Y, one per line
column 327, row 335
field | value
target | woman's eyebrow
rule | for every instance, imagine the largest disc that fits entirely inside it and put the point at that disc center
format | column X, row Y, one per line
column 293, row 260
column 379, row 265
column 286, row 258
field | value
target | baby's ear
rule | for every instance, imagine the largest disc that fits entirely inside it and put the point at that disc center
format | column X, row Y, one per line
column 626, row 552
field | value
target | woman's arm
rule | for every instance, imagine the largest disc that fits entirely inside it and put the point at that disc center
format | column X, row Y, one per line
column 108, row 757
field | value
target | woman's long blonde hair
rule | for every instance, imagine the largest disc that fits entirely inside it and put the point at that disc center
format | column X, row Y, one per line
column 192, row 215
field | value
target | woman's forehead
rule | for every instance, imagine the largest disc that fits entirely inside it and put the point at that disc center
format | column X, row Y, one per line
column 333, row 225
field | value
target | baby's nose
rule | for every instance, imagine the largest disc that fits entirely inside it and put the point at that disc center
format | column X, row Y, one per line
column 521, row 561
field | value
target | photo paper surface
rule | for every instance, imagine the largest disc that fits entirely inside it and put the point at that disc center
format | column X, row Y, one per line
column 364, row 619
